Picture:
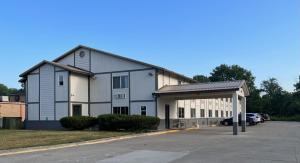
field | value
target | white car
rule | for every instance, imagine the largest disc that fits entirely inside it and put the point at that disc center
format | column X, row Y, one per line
column 256, row 117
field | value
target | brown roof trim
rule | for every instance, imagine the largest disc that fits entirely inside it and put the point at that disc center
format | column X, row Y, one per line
column 194, row 91
column 175, row 89
column 65, row 67
column 125, row 58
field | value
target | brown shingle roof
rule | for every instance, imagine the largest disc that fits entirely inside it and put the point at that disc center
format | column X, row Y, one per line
column 204, row 87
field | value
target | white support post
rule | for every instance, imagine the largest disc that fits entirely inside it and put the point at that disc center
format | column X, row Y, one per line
column 235, row 113
column 244, row 111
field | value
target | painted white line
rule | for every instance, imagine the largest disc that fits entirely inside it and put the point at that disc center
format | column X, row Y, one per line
column 100, row 141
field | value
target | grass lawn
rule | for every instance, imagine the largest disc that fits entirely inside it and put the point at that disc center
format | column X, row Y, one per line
column 10, row 139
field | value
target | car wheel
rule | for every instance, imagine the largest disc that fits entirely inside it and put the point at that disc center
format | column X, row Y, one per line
column 225, row 123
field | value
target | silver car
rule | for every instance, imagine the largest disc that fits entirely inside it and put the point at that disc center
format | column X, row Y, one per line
column 256, row 117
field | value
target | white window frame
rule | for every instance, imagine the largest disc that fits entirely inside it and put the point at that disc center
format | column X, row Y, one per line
column 216, row 115
column 194, row 114
column 210, row 113
column 201, row 113
column 181, row 112
column 121, row 84
column 144, row 107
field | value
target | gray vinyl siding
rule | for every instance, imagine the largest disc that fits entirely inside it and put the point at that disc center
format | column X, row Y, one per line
column 61, row 110
column 104, row 63
column 61, row 92
column 100, row 88
column 68, row 60
column 136, row 108
column 33, row 88
column 142, row 85
column 100, row 108
column 47, row 92
column 82, row 62
column 33, row 112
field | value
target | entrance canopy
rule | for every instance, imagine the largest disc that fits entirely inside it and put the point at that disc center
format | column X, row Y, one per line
column 224, row 89
column 236, row 90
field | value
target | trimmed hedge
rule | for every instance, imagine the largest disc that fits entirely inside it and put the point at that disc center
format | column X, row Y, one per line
column 286, row 118
column 78, row 122
column 114, row 122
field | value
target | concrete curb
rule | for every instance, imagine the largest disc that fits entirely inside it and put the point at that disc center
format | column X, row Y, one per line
column 69, row 145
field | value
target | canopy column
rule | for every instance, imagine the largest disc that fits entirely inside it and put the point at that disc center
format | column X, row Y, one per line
column 243, row 114
column 235, row 113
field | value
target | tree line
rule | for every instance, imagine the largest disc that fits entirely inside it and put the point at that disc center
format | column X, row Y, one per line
column 269, row 98
column 5, row 91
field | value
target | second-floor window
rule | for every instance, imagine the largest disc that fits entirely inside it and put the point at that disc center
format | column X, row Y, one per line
column 61, row 80
column 120, row 82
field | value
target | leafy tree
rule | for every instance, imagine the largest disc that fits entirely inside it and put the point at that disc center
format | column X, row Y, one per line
column 275, row 99
column 271, row 87
column 233, row 72
column 3, row 90
column 297, row 85
column 201, row 78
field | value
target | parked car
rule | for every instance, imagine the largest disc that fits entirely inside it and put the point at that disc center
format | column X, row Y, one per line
column 265, row 116
column 256, row 117
column 229, row 121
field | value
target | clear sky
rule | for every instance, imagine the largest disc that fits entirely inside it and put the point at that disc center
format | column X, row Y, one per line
column 190, row 37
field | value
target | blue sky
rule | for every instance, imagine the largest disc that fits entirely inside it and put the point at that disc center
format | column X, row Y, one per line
column 190, row 37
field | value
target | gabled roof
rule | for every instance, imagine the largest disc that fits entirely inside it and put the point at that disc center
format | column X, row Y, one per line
column 65, row 67
column 124, row 58
column 205, row 87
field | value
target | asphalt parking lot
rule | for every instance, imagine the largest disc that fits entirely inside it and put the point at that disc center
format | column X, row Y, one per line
column 268, row 142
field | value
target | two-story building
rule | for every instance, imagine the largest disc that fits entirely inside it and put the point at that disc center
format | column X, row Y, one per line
column 91, row 82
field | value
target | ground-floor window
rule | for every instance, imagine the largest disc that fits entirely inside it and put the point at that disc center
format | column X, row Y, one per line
column 143, row 110
column 193, row 113
column 76, row 110
column 120, row 110
column 222, row 113
column 226, row 113
column 230, row 113
column 209, row 113
column 181, row 112
column 217, row 113
column 202, row 113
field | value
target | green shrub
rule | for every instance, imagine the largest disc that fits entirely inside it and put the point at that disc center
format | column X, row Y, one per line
column 78, row 122
column 115, row 122
column 286, row 118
